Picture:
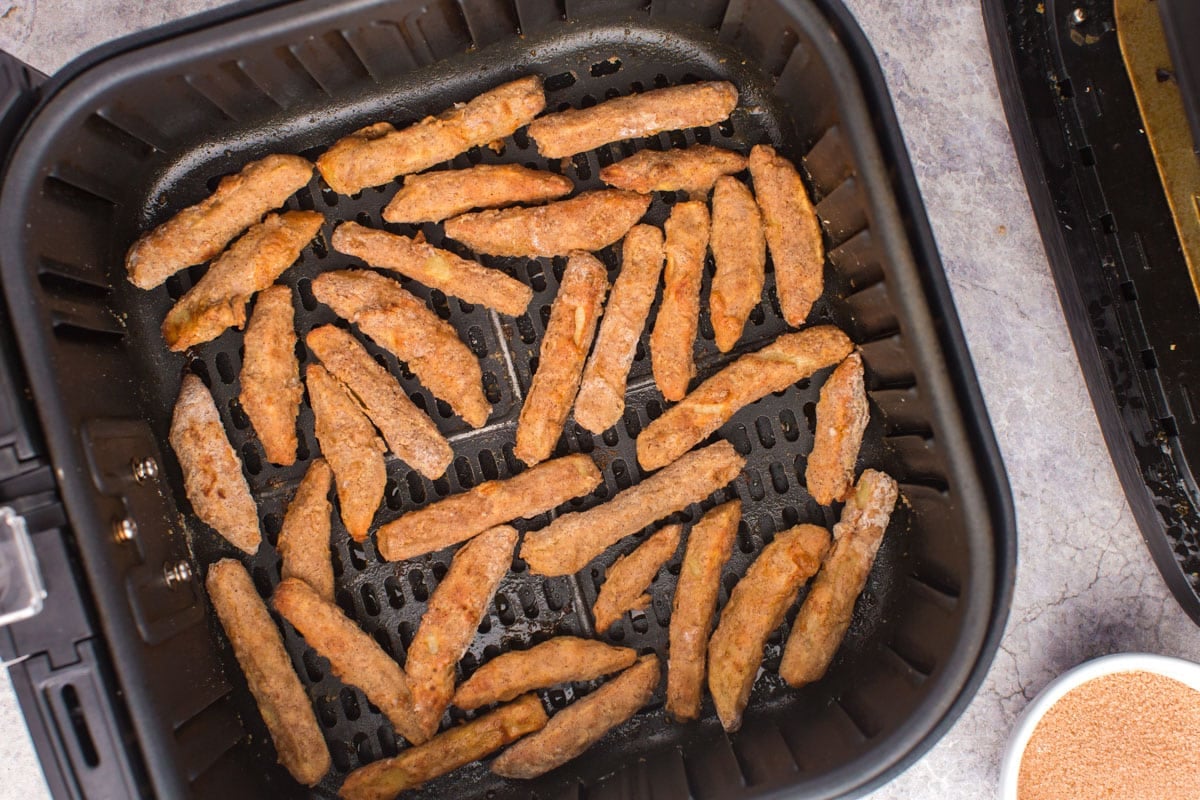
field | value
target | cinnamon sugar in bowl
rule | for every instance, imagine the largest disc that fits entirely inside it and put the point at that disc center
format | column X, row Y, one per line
column 1123, row 726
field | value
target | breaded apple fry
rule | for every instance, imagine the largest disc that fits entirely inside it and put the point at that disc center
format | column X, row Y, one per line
column 198, row 233
column 575, row 130
column 740, row 253
column 565, row 346
column 455, row 609
column 304, row 538
column 825, row 616
column 793, row 233
column 710, row 542
column 270, row 377
column 753, row 376
column 435, row 196
column 457, row 747
column 353, row 450
column 403, row 325
column 581, row 724
column 626, row 581
column 842, row 417
column 674, row 336
column 589, row 221
column 568, row 543
column 461, row 516
column 408, row 431
column 212, row 471
column 281, row 699
column 691, row 169
column 355, row 657
column 756, row 607
column 434, row 267
column 601, row 398
column 252, row 263
column 377, row 153
column 558, row 660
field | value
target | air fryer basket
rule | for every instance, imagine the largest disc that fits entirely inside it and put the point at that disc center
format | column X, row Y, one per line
column 134, row 138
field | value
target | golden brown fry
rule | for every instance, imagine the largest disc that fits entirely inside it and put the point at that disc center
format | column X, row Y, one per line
column 557, row 660
column 825, row 616
column 589, row 221
column 740, row 253
column 674, row 336
column 212, row 471
column 565, row 346
column 696, row 105
column 281, row 699
column 627, row 579
column 695, row 605
column 462, row 516
column 693, row 170
column 408, row 431
column 251, row 264
column 199, row 232
column 457, row 747
column 601, row 398
column 435, row 196
column 455, row 609
column 568, row 543
column 753, row 376
column 581, row 724
column 349, row 444
column 434, row 267
column 756, row 607
column 304, row 538
column 404, row 326
column 793, row 233
column 270, row 378
column 377, row 153
column 842, row 417
column 355, row 657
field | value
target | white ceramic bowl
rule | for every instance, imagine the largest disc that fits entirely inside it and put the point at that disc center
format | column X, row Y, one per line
column 1186, row 672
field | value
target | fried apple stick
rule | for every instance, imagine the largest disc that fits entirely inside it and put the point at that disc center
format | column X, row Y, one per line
column 281, row 699
column 355, row 657
column 575, row 130
column 408, row 431
column 198, row 233
column 557, row 660
column 434, row 267
column 842, row 417
column 377, row 153
column 692, row 169
column 491, row 503
column 756, row 607
column 304, row 538
column 270, row 377
column 565, row 346
column 740, row 253
column 601, row 399
column 589, row 221
column 435, row 196
column 753, row 376
column 695, row 605
column 825, row 616
column 212, row 471
column 674, row 335
column 568, row 543
column 626, row 580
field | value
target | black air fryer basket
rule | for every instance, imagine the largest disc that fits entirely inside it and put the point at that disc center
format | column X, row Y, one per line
column 129, row 685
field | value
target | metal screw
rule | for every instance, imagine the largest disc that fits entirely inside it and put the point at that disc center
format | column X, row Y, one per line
column 145, row 469
column 124, row 529
column 177, row 574
column 1078, row 16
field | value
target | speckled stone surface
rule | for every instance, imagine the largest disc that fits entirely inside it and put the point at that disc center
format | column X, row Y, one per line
column 1085, row 585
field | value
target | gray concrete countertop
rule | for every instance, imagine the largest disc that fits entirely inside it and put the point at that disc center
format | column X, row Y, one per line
column 1085, row 585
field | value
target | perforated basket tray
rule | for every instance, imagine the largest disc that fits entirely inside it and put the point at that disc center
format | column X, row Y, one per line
column 140, row 135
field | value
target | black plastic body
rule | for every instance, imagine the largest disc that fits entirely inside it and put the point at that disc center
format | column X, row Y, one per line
column 1116, row 259
column 137, row 134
